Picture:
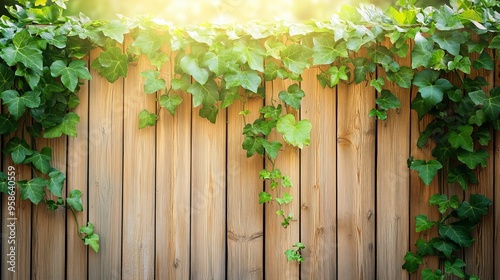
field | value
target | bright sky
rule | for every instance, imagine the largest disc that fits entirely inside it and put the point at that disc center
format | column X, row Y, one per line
column 218, row 11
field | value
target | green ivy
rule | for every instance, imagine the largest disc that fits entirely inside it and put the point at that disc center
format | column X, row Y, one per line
column 41, row 69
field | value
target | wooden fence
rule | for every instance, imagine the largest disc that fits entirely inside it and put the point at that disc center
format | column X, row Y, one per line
column 180, row 200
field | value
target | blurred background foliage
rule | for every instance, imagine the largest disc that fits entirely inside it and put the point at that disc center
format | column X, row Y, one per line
column 181, row 12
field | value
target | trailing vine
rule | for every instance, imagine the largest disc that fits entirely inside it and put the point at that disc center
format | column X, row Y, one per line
column 41, row 64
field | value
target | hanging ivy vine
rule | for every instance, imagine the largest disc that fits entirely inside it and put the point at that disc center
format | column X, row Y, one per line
column 41, row 68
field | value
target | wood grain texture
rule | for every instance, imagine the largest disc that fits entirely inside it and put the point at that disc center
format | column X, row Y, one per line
column 318, row 174
column 393, row 182
column 356, row 182
column 479, row 257
column 49, row 227
column 173, row 189
column 77, row 178
column 105, row 174
column 138, row 179
column 23, row 229
column 208, row 198
column 245, row 216
column 278, row 239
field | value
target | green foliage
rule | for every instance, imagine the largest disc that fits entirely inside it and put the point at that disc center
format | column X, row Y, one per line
column 41, row 68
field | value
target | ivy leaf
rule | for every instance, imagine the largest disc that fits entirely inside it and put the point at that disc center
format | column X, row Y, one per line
column 148, row 42
column 253, row 145
column 181, row 83
column 428, row 274
column 204, row 93
column 334, row 74
column 460, row 63
column 462, row 138
column 475, row 209
column 491, row 105
column 111, row 64
column 426, row 170
column 67, row 126
column 326, row 50
column 33, row 189
column 423, row 223
column 249, row 80
column 253, row 53
column 41, row 160
column 445, row 247
column 422, row 51
column 425, row 248
column 264, row 197
column 456, row 233
column 473, row 159
column 421, row 106
column 209, row 111
column 190, row 65
column 462, row 175
column 272, row 148
column 443, row 203
column 114, row 30
column 377, row 83
column 170, row 102
column 152, row 83
column 484, row 62
column 296, row 58
column 430, row 87
column 412, row 262
column 387, row 100
column 91, row 239
column 17, row 104
column 450, row 40
column 24, row 50
column 456, row 268
column 7, row 124
column 6, row 77
column 74, row 200
column 147, row 119
column 361, row 67
column 287, row 198
column 55, row 183
column 18, row 149
column 293, row 96
column 295, row 133
column 379, row 113
column 71, row 73
column 4, row 183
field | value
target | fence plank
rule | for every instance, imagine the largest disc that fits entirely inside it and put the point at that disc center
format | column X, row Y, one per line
column 319, row 181
column 138, row 179
column 77, row 178
column 278, row 239
column 479, row 257
column 393, row 198
column 49, row 228
column 356, row 182
column 23, row 228
column 208, row 194
column 420, row 193
column 496, row 200
column 245, row 225
column 105, row 174
column 173, row 189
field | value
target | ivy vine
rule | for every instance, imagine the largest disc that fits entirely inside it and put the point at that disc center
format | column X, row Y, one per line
column 41, row 65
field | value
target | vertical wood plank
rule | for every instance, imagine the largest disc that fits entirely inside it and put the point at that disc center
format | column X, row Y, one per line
column 277, row 238
column 49, row 227
column 138, row 179
column 393, row 182
column 208, row 197
column 105, row 174
column 479, row 257
column 420, row 193
column 173, row 185
column 23, row 226
column 356, row 182
column 496, row 200
column 245, row 230
column 77, row 172
column 318, row 181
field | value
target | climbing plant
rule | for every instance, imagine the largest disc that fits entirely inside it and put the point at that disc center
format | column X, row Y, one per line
column 41, row 68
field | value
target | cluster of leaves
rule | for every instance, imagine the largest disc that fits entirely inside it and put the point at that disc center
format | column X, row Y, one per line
column 41, row 66
column 458, row 219
column 38, row 79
